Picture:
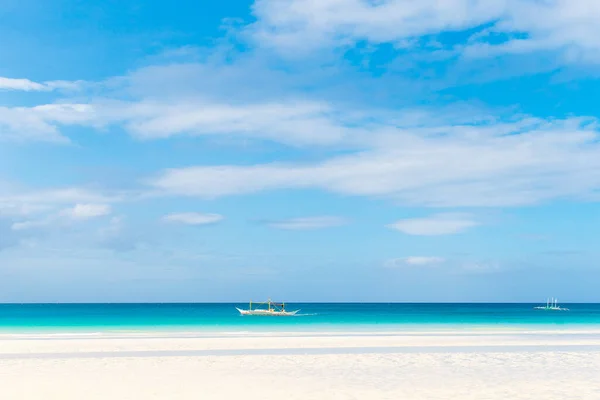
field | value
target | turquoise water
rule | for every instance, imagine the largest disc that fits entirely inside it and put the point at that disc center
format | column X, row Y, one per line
column 313, row 316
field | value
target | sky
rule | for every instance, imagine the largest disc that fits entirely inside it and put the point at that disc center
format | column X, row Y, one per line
column 300, row 150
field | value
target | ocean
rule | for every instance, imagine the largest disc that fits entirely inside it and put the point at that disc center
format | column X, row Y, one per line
column 31, row 318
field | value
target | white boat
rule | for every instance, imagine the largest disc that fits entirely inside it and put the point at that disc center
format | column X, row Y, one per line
column 551, row 305
column 273, row 309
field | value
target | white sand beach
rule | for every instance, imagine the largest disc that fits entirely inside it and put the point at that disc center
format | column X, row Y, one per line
column 447, row 365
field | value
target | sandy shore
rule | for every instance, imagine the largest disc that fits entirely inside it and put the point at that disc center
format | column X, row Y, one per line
column 460, row 365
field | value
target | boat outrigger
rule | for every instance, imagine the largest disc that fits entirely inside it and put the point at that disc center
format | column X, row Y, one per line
column 273, row 309
column 551, row 305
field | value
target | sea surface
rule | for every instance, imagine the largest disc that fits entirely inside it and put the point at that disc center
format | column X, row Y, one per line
column 26, row 318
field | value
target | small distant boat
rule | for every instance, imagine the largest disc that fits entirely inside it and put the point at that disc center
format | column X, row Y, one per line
column 272, row 309
column 551, row 305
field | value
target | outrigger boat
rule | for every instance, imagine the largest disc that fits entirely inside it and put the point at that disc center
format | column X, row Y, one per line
column 273, row 309
column 551, row 305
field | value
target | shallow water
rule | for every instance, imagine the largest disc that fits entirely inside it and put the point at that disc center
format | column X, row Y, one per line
column 313, row 316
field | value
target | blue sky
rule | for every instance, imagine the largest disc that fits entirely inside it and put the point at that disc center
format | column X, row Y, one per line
column 340, row 150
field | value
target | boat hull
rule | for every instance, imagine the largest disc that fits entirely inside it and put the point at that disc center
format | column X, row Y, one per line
column 267, row 313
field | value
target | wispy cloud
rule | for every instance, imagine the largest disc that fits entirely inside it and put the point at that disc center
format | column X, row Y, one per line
column 461, row 165
column 20, row 84
column 422, row 157
column 428, row 157
column 438, row 224
column 86, row 211
column 30, row 209
column 44, row 122
column 415, row 261
column 491, row 27
column 27, row 225
column 19, row 201
column 193, row 218
column 27, row 85
column 416, row 157
column 24, row 124
column 294, row 26
column 419, row 260
column 307, row 223
column 79, row 212
column 299, row 123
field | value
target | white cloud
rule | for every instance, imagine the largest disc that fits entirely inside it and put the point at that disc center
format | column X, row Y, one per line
column 17, row 209
column 25, row 225
column 193, row 218
column 43, row 122
column 86, row 211
column 30, row 201
column 288, row 122
column 416, row 261
column 284, row 122
column 250, row 98
column 31, row 86
column 439, row 224
column 20, row 84
column 415, row 157
column 564, row 25
column 419, row 260
column 31, row 209
column 461, row 165
column 419, row 157
column 79, row 212
column 24, row 124
column 307, row 223
column 518, row 26
column 300, row 25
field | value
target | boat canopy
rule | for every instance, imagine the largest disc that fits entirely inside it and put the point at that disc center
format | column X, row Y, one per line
column 269, row 303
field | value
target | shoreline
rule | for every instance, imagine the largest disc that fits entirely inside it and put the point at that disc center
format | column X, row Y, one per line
column 301, row 330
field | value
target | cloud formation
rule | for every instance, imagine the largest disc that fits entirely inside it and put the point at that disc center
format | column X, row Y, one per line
column 24, row 202
column 414, row 261
column 20, row 84
column 491, row 27
column 435, row 225
column 418, row 157
column 420, row 260
column 299, row 123
column 31, row 86
column 86, row 211
column 462, row 165
column 307, row 223
column 79, row 212
column 424, row 157
column 192, row 218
